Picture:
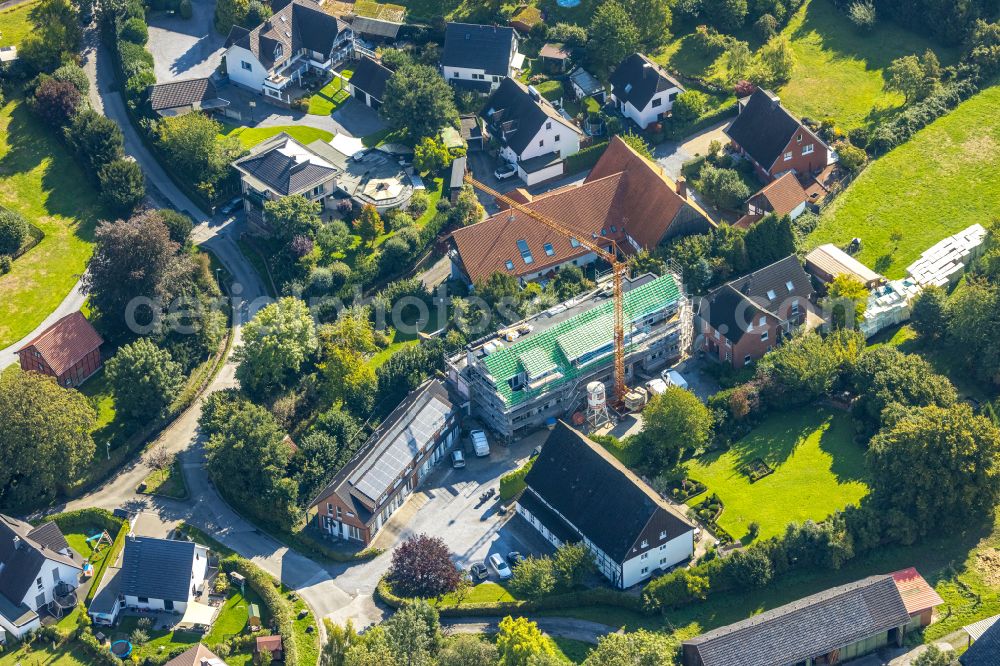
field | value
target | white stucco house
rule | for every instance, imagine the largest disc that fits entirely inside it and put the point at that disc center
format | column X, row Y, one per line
column 642, row 90
column 38, row 574
column 162, row 574
column 272, row 58
column 578, row 492
column 479, row 57
column 531, row 132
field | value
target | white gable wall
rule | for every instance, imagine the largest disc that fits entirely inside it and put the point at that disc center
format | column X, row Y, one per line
column 644, row 117
column 641, row 567
column 50, row 574
column 471, row 74
column 553, row 136
column 252, row 78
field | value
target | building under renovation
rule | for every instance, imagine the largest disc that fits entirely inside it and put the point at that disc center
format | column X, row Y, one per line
column 538, row 369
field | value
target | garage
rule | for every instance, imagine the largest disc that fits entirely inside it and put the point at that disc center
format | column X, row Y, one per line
column 541, row 168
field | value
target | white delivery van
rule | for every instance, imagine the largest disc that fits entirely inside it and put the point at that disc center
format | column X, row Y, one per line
column 479, row 443
column 656, row 387
column 673, row 378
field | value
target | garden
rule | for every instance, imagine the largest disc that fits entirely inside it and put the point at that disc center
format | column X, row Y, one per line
column 817, row 470
column 328, row 98
column 945, row 177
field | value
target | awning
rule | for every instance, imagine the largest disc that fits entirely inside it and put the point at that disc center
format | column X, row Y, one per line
column 198, row 614
column 347, row 145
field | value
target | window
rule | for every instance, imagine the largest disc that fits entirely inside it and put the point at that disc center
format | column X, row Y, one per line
column 672, row 96
column 548, row 125
column 657, row 102
column 496, row 79
column 716, row 334
column 279, row 51
column 549, row 249
column 799, row 138
column 456, row 74
column 644, row 556
column 789, row 286
column 557, row 138
column 628, row 88
column 522, row 245
column 788, row 156
column 245, row 65
column 763, row 336
column 747, row 360
column 807, row 150
column 613, row 228
column 795, row 307
column 168, row 604
column 541, row 143
column 339, row 513
column 762, row 322
column 574, row 242
column 509, row 264
column 329, row 508
column 645, row 544
column 39, row 583
column 771, row 295
column 663, row 535
column 143, row 600
column 645, row 570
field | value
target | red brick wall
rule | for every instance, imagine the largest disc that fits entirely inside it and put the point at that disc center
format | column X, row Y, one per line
column 344, row 517
column 814, row 161
column 750, row 343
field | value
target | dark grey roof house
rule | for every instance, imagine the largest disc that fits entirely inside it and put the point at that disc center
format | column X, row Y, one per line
column 179, row 97
column 390, row 465
column 284, row 166
column 835, row 625
column 984, row 648
column 516, row 115
column 37, row 568
column 577, row 491
column 745, row 317
column 369, row 80
column 642, row 90
column 161, row 574
column 478, row 57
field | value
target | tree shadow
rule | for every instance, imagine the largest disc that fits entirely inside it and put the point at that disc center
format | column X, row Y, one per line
column 883, row 263
column 848, row 457
column 775, row 442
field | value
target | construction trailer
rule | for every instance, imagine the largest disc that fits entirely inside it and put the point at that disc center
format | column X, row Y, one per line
column 515, row 387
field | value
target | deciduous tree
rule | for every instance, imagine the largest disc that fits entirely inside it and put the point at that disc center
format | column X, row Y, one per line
column 633, row 648
column 468, row 650
column 929, row 317
column 726, row 15
column 191, row 142
column 56, row 102
column 45, row 438
column 96, row 139
column 144, row 378
column 652, row 19
column 277, row 342
column 419, row 99
column 519, row 641
column 13, row 231
column 613, row 36
column 123, row 186
column 846, row 301
column 422, row 567
column 884, row 376
column 293, row 216
column 430, row 155
column 935, row 466
column 673, row 421
column 369, row 225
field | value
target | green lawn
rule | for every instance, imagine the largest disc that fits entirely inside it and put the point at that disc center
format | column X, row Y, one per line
column 482, row 593
column 251, row 136
column 571, row 649
column 936, row 184
column 233, row 617
column 330, row 96
column 158, row 638
column 40, row 180
column 14, row 24
column 41, row 655
column 839, row 71
column 167, row 482
column 817, row 469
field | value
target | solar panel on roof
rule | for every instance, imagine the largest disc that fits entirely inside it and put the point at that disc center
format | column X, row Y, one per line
column 400, row 445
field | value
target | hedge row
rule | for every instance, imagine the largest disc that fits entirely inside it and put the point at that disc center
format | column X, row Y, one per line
column 898, row 131
column 598, row 596
column 512, row 483
column 585, row 159
column 116, row 547
column 75, row 522
column 270, row 592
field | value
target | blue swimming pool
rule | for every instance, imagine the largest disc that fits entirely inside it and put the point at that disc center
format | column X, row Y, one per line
column 567, row 3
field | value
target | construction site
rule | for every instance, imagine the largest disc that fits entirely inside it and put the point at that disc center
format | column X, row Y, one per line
column 537, row 370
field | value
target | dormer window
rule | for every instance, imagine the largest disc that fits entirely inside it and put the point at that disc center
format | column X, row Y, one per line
column 279, row 51
column 628, row 88
column 789, row 286
column 549, row 249
column 509, row 264
column 771, row 295
column 663, row 535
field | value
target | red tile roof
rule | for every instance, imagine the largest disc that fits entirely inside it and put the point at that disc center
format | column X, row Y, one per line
column 918, row 596
column 784, row 194
column 270, row 643
column 66, row 342
column 623, row 192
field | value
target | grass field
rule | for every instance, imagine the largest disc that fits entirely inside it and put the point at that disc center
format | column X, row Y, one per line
column 571, row 649
column 838, row 72
column 14, row 24
column 817, row 469
column 166, row 482
column 40, row 180
column 251, row 136
column 936, row 184
column 330, row 96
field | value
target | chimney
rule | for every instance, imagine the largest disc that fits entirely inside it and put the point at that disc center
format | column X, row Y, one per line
column 17, row 542
column 646, row 68
column 682, row 188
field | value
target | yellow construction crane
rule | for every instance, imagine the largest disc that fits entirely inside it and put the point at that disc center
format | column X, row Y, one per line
column 619, row 269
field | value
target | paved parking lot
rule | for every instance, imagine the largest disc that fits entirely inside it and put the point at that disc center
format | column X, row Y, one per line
column 185, row 48
column 483, row 165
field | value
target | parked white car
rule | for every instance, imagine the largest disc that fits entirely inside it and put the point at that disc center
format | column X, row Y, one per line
column 674, row 378
column 479, row 443
column 500, row 566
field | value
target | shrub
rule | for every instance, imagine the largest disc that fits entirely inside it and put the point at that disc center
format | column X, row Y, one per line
column 862, row 15
column 134, row 59
column 72, row 73
column 723, row 187
column 13, row 231
column 122, row 186
column 5, row 264
column 135, row 31
column 585, row 158
column 851, row 157
column 422, row 567
column 534, row 577
column 677, row 588
column 749, row 568
column 56, row 102
column 689, row 105
column 766, row 27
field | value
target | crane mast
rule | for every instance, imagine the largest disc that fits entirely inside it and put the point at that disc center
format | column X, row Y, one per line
column 619, row 269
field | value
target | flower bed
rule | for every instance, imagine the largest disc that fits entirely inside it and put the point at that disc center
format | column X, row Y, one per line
column 685, row 489
column 757, row 469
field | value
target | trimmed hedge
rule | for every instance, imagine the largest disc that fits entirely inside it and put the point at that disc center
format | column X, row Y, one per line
column 116, row 547
column 598, row 596
column 512, row 483
column 585, row 158
column 270, row 592
column 81, row 519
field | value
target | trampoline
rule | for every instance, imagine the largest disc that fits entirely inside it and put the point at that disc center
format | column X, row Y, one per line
column 121, row 649
column 568, row 3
